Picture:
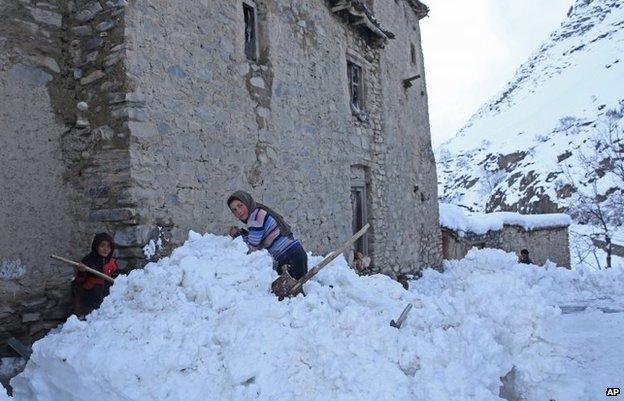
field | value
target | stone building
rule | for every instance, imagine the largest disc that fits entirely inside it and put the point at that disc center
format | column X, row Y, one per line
column 545, row 236
column 139, row 117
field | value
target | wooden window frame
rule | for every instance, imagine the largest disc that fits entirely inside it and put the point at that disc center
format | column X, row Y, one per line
column 355, row 74
column 353, row 58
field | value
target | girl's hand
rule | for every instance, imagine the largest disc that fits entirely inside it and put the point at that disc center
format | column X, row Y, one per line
column 81, row 267
column 233, row 232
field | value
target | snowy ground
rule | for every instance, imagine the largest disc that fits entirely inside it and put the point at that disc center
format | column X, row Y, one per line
column 201, row 325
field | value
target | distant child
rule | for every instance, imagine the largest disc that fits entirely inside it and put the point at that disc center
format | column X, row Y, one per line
column 402, row 278
column 90, row 290
column 524, row 257
column 362, row 262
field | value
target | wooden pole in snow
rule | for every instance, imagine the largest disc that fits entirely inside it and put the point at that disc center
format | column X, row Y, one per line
column 297, row 287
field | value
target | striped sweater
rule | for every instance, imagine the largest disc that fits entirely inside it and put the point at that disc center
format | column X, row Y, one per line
column 264, row 233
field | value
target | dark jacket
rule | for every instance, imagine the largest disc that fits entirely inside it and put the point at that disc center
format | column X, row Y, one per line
column 106, row 265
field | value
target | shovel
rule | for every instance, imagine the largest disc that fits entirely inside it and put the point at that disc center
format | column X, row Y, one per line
column 401, row 318
column 88, row 269
column 286, row 286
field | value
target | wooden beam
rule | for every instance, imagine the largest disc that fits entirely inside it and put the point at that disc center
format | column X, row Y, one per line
column 341, row 5
column 357, row 13
column 20, row 348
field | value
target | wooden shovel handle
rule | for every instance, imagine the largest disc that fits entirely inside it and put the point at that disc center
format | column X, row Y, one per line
column 88, row 269
column 327, row 260
column 401, row 318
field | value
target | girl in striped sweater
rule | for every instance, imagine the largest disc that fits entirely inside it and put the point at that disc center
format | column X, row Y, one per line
column 266, row 229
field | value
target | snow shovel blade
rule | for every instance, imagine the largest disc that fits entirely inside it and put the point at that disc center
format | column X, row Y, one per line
column 293, row 288
column 282, row 285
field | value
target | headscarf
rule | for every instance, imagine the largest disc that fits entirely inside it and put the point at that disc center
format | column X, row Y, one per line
column 251, row 204
column 93, row 259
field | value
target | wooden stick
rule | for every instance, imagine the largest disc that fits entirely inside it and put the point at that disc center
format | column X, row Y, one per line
column 88, row 269
column 327, row 260
column 401, row 318
column 20, row 348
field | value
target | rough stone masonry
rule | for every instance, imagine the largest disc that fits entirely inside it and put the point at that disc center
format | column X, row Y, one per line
column 139, row 117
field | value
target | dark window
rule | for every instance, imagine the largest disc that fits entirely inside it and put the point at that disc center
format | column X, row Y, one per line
column 413, row 53
column 355, row 87
column 250, row 32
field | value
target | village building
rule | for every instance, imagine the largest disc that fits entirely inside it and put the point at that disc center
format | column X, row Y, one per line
column 140, row 117
column 545, row 236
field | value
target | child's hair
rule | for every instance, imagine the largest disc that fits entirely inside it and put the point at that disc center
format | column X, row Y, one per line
column 524, row 252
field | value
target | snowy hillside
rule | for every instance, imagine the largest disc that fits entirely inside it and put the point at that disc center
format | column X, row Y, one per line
column 519, row 150
column 201, row 325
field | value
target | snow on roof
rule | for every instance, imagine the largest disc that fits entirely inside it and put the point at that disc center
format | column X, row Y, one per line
column 457, row 219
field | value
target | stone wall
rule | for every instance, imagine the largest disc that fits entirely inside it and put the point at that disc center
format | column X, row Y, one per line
column 546, row 244
column 411, row 235
column 280, row 127
column 139, row 118
column 66, row 151
column 35, row 206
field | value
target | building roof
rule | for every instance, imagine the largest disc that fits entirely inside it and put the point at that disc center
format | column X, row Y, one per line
column 455, row 218
column 419, row 8
column 358, row 15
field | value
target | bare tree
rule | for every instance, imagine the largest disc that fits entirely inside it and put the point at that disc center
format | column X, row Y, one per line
column 598, row 196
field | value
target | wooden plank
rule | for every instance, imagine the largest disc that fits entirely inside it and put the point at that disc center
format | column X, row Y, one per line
column 20, row 348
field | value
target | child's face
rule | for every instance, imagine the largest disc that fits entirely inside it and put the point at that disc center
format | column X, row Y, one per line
column 239, row 210
column 104, row 249
column 359, row 255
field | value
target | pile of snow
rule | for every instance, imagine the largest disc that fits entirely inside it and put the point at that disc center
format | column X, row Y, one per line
column 516, row 152
column 461, row 221
column 201, row 324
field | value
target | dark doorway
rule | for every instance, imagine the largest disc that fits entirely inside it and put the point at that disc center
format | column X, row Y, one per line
column 360, row 217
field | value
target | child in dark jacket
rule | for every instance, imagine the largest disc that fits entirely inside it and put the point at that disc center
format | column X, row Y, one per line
column 90, row 290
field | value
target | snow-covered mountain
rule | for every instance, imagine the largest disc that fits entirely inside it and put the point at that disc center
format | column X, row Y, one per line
column 553, row 129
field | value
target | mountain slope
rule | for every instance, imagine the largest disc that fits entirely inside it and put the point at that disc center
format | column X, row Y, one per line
column 521, row 149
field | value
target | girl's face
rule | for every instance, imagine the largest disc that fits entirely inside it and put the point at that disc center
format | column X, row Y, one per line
column 239, row 210
column 104, row 249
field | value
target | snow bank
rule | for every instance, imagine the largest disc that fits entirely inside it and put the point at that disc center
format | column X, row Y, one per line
column 455, row 218
column 201, row 324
